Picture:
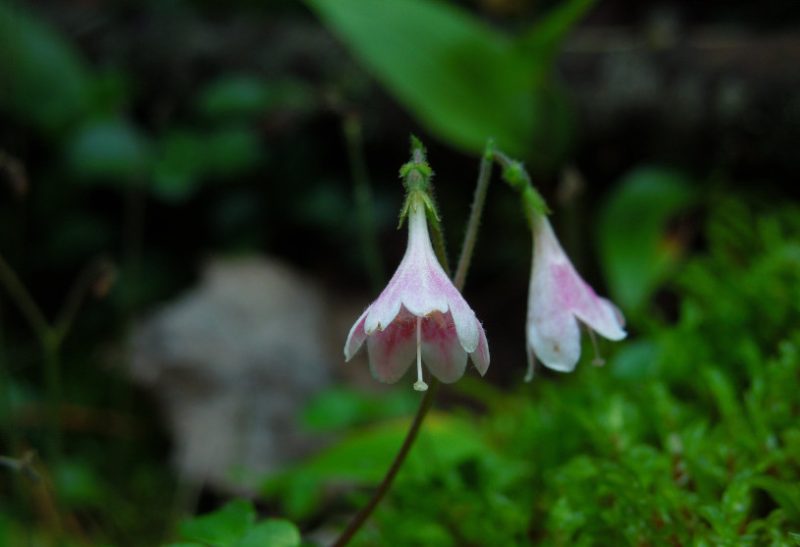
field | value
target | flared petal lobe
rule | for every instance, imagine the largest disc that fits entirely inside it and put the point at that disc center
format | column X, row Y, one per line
column 356, row 337
column 392, row 350
column 480, row 357
column 441, row 349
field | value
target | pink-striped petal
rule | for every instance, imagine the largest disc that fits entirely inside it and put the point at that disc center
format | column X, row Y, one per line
column 391, row 351
column 441, row 351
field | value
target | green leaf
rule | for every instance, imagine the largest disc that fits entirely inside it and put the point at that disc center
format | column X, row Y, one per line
column 272, row 533
column 109, row 152
column 545, row 36
column 363, row 458
column 243, row 97
column 44, row 81
column 78, row 485
column 187, row 158
column 234, row 96
column 635, row 250
column 231, row 151
column 339, row 408
column 464, row 81
column 225, row 526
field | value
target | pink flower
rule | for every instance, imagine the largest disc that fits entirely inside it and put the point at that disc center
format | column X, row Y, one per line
column 558, row 298
column 419, row 313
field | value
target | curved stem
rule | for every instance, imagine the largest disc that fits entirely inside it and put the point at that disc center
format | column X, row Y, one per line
column 427, row 400
column 22, row 298
column 77, row 294
column 399, row 459
column 471, row 234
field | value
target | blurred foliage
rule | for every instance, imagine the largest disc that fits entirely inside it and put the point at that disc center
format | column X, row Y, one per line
column 637, row 260
column 235, row 525
column 464, row 81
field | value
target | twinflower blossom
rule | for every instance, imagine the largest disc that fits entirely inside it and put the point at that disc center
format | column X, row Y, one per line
column 558, row 298
column 420, row 314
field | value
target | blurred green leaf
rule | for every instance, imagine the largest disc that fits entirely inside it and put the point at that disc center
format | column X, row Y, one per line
column 464, row 81
column 244, row 97
column 231, row 151
column 224, row 527
column 635, row 250
column 180, row 164
column 339, row 408
column 234, row 96
column 548, row 33
column 45, row 82
column 109, row 152
column 636, row 360
column 187, row 158
column 363, row 458
column 272, row 533
column 78, row 485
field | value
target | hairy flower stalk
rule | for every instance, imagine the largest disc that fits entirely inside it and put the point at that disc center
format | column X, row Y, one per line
column 558, row 298
column 419, row 314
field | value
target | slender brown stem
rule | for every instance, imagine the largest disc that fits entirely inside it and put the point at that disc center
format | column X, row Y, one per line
column 361, row 517
column 77, row 294
column 22, row 298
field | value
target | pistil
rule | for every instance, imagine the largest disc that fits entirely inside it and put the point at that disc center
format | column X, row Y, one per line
column 419, row 385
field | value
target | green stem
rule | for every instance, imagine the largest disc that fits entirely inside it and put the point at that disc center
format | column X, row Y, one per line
column 517, row 177
column 471, row 234
column 427, row 400
column 77, row 294
column 12, row 440
column 16, row 290
column 52, row 370
column 362, row 193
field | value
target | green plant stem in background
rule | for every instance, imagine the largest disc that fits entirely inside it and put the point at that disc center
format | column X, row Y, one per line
column 51, row 337
column 362, row 193
column 133, row 226
column 51, row 351
column 427, row 400
column 16, row 290
column 11, row 439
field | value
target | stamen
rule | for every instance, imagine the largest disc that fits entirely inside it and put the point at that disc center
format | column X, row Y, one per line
column 419, row 385
column 598, row 360
column 531, row 364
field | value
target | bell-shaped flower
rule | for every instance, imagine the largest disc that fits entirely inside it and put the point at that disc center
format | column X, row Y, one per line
column 558, row 298
column 420, row 314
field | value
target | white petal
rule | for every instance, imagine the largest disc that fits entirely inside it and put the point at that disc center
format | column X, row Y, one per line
column 384, row 310
column 467, row 325
column 480, row 357
column 356, row 337
column 556, row 341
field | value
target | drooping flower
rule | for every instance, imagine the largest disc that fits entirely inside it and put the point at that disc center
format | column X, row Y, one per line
column 419, row 314
column 558, row 298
